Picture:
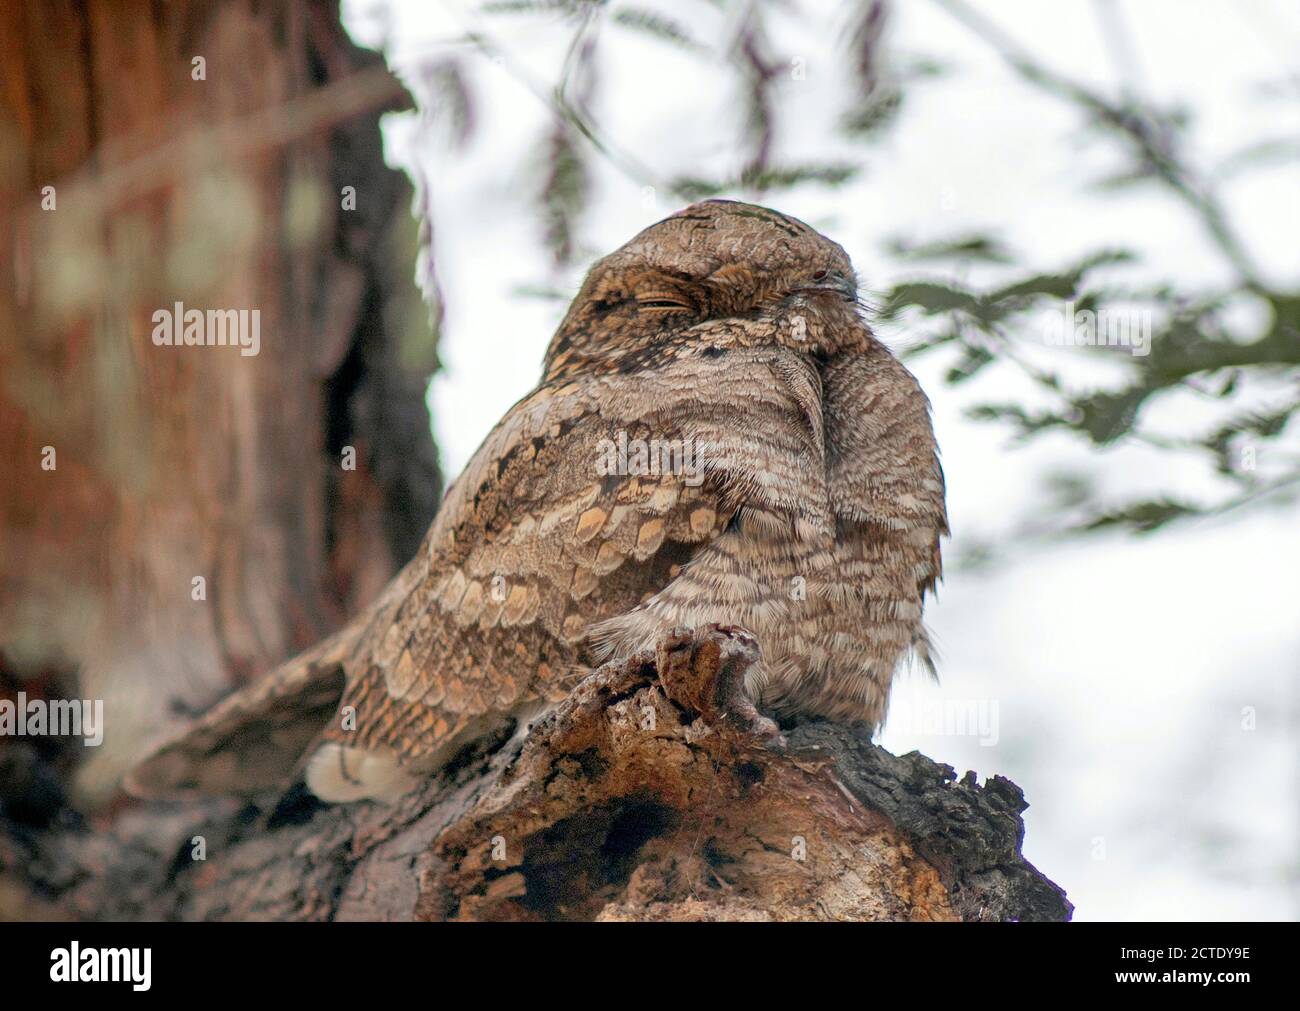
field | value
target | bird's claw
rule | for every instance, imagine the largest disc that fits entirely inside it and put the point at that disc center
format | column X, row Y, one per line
column 705, row 669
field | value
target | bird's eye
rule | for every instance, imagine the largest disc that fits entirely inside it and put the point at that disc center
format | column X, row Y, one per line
column 819, row 275
column 662, row 300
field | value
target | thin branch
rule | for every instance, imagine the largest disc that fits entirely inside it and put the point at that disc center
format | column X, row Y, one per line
column 1150, row 139
column 556, row 100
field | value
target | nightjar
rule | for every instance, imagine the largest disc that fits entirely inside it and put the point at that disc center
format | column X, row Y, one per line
column 717, row 436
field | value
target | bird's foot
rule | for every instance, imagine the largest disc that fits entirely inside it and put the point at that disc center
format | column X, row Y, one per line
column 704, row 669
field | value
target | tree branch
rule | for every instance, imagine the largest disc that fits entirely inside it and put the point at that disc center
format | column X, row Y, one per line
column 647, row 794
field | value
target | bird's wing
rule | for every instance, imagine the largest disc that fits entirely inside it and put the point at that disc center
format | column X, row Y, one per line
column 554, row 525
column 254, row 738
column 887, row 494
column 882, row 461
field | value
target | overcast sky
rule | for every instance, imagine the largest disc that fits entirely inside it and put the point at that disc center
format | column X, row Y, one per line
column 1116, row 670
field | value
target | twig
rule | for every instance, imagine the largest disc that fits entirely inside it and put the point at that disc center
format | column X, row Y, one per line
column 1152, row 142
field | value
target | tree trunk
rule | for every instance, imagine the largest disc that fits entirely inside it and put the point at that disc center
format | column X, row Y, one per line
column 177, row 520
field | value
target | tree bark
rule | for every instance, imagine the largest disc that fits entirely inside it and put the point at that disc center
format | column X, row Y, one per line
column 636, row 799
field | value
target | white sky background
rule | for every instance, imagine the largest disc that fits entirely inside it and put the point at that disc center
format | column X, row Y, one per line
column 1118, row 667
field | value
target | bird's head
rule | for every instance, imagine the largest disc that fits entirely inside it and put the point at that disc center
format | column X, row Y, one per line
column 717, row 275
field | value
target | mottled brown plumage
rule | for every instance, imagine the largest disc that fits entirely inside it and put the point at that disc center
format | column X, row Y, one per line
column 804, row 502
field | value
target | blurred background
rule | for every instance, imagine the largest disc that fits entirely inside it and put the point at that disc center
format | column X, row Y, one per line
column 1119, row 626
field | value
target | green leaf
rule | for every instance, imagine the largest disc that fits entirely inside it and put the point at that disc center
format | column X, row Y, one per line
column 529, row 6
column 784, row 178
column 1027, row 424
column 973, row 359
column 1108, row 416
column 831, row 175
column 872, row 116
column 1143, row 517
column 984, row 248
column 663, row 28
column 932, row 297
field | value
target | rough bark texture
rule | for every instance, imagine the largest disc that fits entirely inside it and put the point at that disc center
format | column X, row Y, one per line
column 172, row 464
column 636, row 799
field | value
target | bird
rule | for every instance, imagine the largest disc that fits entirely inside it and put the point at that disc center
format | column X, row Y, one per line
column 717, row 437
